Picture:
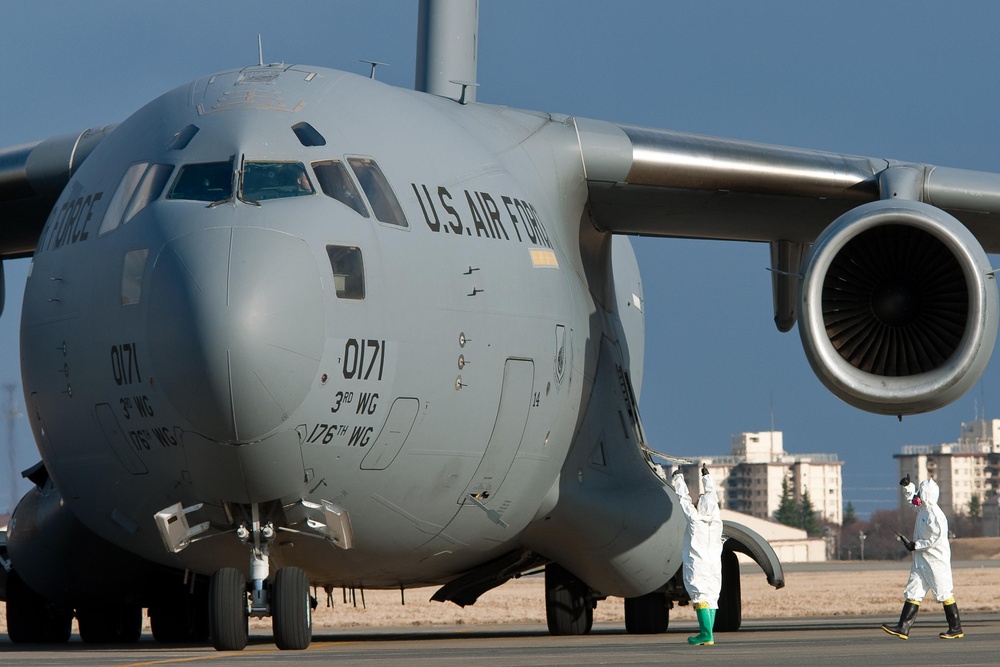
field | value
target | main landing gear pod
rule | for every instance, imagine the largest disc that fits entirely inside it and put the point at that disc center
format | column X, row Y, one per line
column 570, row 603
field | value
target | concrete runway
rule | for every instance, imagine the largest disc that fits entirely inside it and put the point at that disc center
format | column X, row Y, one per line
column 855, row 640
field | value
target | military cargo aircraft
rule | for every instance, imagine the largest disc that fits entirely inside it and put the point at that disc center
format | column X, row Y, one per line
column 288, row 328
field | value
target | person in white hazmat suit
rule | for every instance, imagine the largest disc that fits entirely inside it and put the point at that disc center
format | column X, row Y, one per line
column 931, row 567
column 702, row 555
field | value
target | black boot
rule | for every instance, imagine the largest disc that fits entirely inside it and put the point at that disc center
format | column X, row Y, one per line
column 954, row 630
column 902, row 629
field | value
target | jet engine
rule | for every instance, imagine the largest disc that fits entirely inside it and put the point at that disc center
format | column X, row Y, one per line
column 898, row 307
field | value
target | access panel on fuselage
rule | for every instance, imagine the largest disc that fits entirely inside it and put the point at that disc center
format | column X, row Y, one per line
column 512, row 415
column 388, row 443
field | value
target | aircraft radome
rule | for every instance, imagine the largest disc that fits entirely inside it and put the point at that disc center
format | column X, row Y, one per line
column 290, row 328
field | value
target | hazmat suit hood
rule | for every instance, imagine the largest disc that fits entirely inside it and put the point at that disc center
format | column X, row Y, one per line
column 929, row 492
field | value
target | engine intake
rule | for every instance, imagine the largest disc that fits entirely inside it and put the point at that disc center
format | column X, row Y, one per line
column 899, row 309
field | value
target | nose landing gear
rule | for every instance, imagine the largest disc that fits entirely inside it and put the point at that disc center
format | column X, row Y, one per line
column 285, row 597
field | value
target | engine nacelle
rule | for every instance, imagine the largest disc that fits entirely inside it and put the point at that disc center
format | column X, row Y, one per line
column 898, row 308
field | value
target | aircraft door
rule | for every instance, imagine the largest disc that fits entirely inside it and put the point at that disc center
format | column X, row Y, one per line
column 512, row 417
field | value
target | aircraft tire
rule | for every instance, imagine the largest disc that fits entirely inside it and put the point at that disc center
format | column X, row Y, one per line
column 568, row 611
column 31, row 619
column 291, row 609
column 228, row 617
column 730, row 614
column 166, row 623
column 647, row 615
column 114, row 624
column 180, row 617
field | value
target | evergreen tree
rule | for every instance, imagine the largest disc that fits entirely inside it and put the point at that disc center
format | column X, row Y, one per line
column 849, row 515
column 975, row 507
column 807, row 516
column 787, row 512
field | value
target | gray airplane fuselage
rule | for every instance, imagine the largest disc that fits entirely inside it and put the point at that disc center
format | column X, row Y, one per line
column 455, row 379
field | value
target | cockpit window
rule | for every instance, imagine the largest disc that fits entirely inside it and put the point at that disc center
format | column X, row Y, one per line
column 142, row 183
column 150, row 187
column 380, row 195
column 274, row 180
column 123, row 194
column 308, row 135
column 180, row 140
column 208, row 181
column 335, row 181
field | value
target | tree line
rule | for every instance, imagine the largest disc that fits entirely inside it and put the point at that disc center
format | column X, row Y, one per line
column 872, row 539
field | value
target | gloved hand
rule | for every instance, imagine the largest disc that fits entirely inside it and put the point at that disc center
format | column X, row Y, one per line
column 910, row 546
column 916, row 501
column 905, row 481
column 704, row 470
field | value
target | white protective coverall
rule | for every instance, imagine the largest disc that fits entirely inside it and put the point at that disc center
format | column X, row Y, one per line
column 931, row 568
column 702, row 554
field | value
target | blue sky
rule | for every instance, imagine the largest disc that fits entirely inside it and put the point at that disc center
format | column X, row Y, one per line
column 908, row 80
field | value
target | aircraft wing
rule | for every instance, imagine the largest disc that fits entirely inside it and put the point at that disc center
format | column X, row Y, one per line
column 882, row 263
column 663, row 183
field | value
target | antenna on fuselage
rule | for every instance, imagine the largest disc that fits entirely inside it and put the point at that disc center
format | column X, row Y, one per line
column 466, row 85
column 260, row 51
column 374, row 64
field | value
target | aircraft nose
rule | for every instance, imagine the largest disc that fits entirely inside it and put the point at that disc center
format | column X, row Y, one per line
column 236, row 328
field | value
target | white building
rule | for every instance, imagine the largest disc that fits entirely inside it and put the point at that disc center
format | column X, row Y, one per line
column 750, row 479
column 964, row 469
column 791, row 545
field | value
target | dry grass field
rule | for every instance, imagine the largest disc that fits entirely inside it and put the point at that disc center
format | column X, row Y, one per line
column 876, row 592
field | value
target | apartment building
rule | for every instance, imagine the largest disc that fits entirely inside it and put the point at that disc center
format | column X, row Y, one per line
column 750, row 478
column 965, row 469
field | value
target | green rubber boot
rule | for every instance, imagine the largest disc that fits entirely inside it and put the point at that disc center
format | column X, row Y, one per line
column 705, row 621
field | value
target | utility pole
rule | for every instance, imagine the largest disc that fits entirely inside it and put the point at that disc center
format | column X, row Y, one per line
column 11, row 414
